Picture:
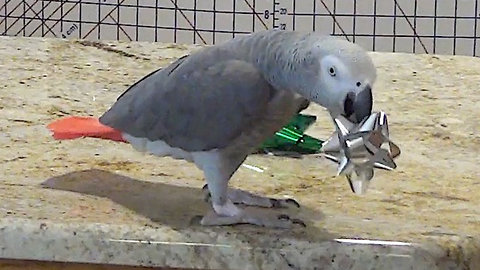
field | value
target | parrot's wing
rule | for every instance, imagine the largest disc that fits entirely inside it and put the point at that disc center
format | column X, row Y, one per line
column 198, row 103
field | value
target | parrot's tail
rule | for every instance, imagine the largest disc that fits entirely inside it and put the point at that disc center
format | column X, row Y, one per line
column 78, row 126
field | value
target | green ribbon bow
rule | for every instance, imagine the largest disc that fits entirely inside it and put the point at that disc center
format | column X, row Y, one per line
column 291, row 137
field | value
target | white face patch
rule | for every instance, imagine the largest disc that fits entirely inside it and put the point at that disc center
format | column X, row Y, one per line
column 335, row 83
column 340, row 76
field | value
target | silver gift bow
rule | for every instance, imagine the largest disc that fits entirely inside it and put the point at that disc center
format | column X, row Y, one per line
column 358, row 149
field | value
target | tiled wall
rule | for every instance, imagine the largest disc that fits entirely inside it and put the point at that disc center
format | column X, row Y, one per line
column 441, row 26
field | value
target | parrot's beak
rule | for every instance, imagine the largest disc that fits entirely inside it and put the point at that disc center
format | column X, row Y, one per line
column 359, row 105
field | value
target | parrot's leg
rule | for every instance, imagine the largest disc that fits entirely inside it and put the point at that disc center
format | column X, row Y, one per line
column 238, row 196
column 218, row 170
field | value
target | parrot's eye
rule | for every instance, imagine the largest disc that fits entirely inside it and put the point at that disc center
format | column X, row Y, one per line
column 332, row 72
column 359, row 84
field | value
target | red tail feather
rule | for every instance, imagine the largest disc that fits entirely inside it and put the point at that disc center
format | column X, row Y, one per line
column 77, row 127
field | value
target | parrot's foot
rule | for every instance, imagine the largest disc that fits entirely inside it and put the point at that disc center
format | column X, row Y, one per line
column 238, row 196
column 229, row 214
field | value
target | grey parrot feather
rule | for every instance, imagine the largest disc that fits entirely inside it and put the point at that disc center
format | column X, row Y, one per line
column 221, row 96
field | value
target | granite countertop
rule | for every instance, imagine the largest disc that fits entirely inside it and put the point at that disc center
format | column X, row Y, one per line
column 96, row 201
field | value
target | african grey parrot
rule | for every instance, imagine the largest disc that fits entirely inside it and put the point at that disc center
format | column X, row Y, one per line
column 216, row 105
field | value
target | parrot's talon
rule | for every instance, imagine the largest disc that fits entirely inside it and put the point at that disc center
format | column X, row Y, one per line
column 283, row 217
column 206, row 193
column 275, row 203
column 299, row 222
column 283, row 203
column 292, row 201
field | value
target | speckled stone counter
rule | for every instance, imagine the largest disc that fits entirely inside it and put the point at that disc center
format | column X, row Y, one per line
column 94, row 201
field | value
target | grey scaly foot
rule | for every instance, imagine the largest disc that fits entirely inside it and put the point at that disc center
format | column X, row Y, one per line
column 243, row 197
column 229, row 214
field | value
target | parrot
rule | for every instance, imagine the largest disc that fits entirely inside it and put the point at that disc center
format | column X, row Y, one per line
column 214, row 106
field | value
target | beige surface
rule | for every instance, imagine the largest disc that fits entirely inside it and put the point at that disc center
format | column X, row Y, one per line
column 431, row 197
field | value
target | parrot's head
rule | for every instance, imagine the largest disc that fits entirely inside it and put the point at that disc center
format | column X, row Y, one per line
column 346, row 75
